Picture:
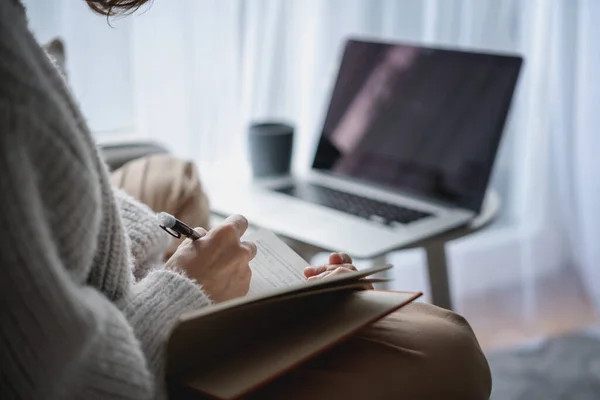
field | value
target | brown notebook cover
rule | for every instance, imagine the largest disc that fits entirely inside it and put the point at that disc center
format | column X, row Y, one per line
column 229, row 350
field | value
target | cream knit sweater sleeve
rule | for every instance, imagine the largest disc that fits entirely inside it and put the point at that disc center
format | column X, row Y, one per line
column 146, row 240
column 60, row 337
column 74, row 324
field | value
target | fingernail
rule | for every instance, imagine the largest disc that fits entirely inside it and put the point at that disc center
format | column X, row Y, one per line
column 333, row 260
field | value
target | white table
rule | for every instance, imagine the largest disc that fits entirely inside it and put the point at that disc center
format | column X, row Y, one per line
column 435, row 250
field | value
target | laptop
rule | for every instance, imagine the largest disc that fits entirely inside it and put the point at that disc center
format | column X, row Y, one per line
column 406, row 151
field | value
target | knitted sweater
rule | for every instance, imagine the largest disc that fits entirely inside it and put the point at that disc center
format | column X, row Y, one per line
column 85, row 309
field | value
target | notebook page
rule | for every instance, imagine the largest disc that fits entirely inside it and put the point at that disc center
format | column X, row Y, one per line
column 276, row 265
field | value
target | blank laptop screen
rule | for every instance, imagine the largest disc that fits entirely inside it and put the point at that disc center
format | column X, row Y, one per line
column 420, row 120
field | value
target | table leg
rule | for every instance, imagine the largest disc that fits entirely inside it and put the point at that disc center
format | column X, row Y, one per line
column 438, row 275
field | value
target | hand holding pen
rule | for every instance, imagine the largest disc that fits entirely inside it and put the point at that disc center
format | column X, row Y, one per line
column 217, row 260
column 176, row 228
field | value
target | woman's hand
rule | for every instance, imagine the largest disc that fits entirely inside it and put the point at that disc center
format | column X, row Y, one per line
column 339, row 263
column 219, row 260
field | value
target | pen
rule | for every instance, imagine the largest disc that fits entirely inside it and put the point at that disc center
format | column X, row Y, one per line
column 175, row 227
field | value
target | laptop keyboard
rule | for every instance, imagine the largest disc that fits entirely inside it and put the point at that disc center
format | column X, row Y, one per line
column 362, row 207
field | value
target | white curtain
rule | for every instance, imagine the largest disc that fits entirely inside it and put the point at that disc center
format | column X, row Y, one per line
column 574, row 107
column 194, row 73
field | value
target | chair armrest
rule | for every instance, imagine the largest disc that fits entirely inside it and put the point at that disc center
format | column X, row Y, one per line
column 116, row 155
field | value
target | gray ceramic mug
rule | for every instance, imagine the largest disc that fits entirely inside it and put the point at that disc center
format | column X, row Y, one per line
column 271, row 145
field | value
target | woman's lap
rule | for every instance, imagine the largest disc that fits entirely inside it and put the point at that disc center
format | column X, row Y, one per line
column 418, row 352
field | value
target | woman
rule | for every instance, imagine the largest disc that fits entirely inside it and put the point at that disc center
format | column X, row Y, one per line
column 86, row 305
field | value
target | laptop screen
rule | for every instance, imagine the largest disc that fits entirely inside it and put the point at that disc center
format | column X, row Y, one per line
column 420, row 120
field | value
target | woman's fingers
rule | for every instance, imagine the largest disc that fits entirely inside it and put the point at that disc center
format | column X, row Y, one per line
column 339, row 258
column 239, row 222
column 334, row 258
column 316, row 270
column 201, row 231
column 250, row 247
column 346, row 259
column 329, row 270
column 233, row 228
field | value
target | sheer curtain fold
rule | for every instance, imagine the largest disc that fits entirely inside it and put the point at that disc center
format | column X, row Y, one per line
column 193, row 74
column 586, row 136
column 108, row 106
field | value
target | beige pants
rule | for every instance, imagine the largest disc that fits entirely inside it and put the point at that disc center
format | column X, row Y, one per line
column 418, row 352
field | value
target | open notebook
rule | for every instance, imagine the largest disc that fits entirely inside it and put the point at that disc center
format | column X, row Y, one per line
column 229, row 349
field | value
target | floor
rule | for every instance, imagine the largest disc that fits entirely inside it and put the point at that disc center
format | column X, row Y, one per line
column 506, row 318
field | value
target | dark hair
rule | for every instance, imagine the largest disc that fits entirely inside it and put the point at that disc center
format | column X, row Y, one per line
column 115, row 7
